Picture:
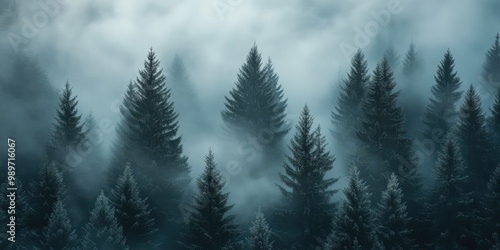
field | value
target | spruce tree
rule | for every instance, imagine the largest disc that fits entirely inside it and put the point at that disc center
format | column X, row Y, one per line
column 491, row 67
column 103, row 231
column 124, row 146
column 491, row 217
column 392, row 57
column 494, row 120
column 148, row 140
column 307, row 192
column 412, row 100
column 59, row 234
column 354, row 226
column 345, row 117
column 68, row 132
column 261, row 234
column 209, row 226
column 440, row 114
column 44, row 193
column 393, row 221
column 475, row 142
column 133, row 212
column 183, row 95
column 384, row 147
column 412, row 63
column 254, row 107
column 449, row 207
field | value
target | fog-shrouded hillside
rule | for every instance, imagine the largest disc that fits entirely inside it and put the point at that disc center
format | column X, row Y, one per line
column 235, row 124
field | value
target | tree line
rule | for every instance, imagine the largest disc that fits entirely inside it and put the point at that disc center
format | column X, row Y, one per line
column 386, row 204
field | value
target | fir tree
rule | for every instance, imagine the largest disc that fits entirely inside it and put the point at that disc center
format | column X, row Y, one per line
column 59, row 234
column 449, row 206
column 494, row 120
column 254, row 105
column 68, row 132
column 124, row 146
column 491, row 204
column 260, row 233
column 44, row 194
column 475, row 142
column 441, row 113
column 183, row 94
column 209, row 225
column 411, row 63
column 148, row 141
column 392, row 57
column 307, row 192
column 354, row 226
column 393, row 221
column 491, row 67
column 412, row 100
column 133, row 212
column 345, row 117
column 103, row 231
column 384, row 147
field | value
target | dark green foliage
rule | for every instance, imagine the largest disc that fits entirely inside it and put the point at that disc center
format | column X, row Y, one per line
column 261, row 234
column 255, row 106
column 307, row 192
column 475, row 142
column 491, row 205
column 384, row 147
column 494, row 121
column 450, row 204
column 22, row 209
column 133, row 212
column 345, row 117
column 441, row 113
column 209, row 225
column 354, row 226
column 393, row 221
column 44, row 193
column 103, row 231
column 148, row 140
column 491, row 67
column 59, row 234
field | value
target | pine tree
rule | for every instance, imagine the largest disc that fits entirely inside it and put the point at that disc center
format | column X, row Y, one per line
column 475, row 142
column 393, row 221
column 43, row 196
column 68, row 132
column 494, row 120
column 124, row 145
column 345, row 117
column 308, row 209
column 449, row 206
column 133, row 212
column 183, row 95
column 392, row 57
column 412, row 99
column 260, row 233
column 491, row 204
column 491, row 67
column 148, row 141
column 354, row 226
column 384, row 147
column 103, row 231
column 59, row 234
column 254, row 106
column 209, row 226
column 441, row 113
column 411, row 63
